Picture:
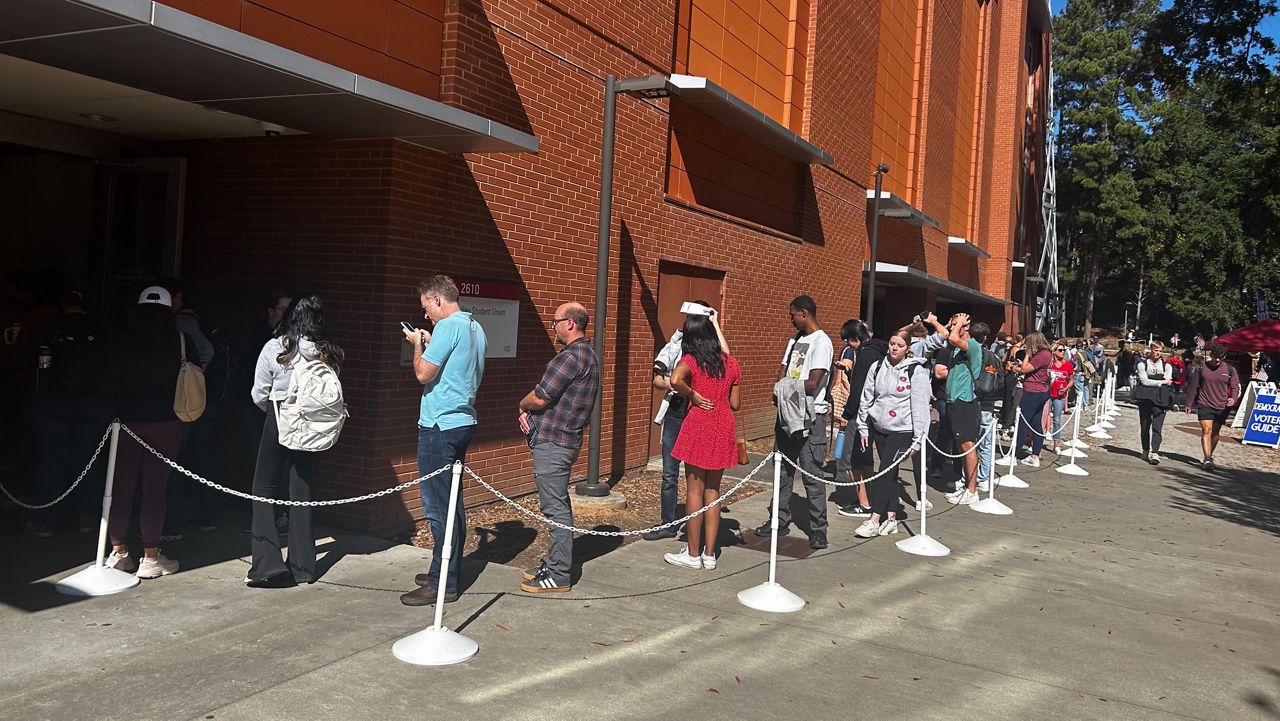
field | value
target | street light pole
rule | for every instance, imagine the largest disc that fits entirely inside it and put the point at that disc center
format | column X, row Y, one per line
column 881, row 169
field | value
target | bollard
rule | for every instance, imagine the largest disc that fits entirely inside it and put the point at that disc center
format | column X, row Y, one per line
column 98, row 580
column 772, row 596
column 921, row 544
column 1072, row 469
column 989, row 504
column 1009, row 480
column 437, row 645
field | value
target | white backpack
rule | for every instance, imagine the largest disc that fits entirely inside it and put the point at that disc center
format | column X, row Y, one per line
column 313, row 411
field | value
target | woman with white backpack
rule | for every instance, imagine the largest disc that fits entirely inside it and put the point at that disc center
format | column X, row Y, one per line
column 296, row 385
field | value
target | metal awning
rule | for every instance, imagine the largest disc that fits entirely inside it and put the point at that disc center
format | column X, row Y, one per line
column 955, row 242
column 892, row 206
column 153, row 47
column 740, row 115
column 907, row 277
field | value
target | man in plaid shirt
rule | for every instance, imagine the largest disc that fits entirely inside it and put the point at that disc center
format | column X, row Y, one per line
column 552, row 416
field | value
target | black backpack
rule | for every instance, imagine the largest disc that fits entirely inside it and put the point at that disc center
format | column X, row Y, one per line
column 988, row 385
column 78, row 354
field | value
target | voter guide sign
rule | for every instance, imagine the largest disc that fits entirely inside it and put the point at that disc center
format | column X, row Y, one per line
column 1263, row 427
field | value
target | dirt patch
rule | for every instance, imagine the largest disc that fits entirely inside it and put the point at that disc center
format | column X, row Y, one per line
column 501, row 534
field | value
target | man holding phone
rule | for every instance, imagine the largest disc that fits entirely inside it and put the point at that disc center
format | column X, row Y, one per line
column 449, row 362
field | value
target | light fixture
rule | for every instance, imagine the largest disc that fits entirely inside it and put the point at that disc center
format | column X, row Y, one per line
column 99, row 118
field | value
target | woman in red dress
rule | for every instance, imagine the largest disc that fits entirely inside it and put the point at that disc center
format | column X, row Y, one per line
column 709, row 377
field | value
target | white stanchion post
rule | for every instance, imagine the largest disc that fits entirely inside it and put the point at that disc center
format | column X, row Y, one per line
column 1072, row 469
column 921, row 544
column 437, row 645
column 990, row 504
column 1009, row 480
column 98, row 580
column 1110, row 410
column 1100, row 425
column 1075, row 442
column 770, row 595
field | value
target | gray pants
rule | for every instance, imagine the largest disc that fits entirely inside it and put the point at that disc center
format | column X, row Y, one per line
column 810, row 453
column 551, row 464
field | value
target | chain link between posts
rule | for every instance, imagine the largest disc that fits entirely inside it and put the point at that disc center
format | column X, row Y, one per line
column 93, row 459
column 276, row 501
column 915, row 445
column 593, row 532
column 1065, row 421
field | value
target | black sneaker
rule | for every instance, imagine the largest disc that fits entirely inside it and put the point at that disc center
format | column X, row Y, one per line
column 532, row 573
column 854, row 511
column 766, row 529
column 661, row 534
column 284, row 579
column 1207, row 464
column 542, row 582
column 817, row 540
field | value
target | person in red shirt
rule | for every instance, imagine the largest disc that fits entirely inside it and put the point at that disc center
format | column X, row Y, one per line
column 1061, row 374
column 1179, row 380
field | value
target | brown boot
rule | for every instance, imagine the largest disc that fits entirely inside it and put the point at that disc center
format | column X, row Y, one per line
column 426, row 596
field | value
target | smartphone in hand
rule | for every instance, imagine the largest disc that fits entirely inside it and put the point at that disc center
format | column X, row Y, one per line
column 407, row 326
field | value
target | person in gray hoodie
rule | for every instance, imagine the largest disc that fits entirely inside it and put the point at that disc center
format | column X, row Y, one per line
column 303, row 337
column 895, row 407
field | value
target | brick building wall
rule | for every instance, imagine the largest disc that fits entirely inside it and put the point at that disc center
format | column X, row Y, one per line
column 362, row 221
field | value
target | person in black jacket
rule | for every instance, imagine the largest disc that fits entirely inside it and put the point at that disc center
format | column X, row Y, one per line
column 855, row 458
column 854, row 333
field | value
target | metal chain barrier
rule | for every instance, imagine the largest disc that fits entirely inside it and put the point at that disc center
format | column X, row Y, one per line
column 593, row 532
column 73, row 486
column 1047, row 436
column 915, row 445
column 276, row 501
column 972, row 448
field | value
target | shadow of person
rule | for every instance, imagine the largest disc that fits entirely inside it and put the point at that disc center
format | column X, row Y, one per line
column 1122, row 451
column 590, row 547
column 340, row 545
column 500, row 544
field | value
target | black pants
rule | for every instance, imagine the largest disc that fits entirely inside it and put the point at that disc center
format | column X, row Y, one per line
column 810, row 453
column 884, row 490
column 1151, row 420
column 276, row 464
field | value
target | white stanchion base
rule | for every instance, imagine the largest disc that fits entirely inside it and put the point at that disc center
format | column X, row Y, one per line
column 1077, row 453
column 1100, row 434
column 1093, row 428
column 96, row 581
column 1006, row 461
column 1108, row 425
column 1071, row 469
column 991, row 506
column 922, row 546
column 435, row 647
column 1009, row 480
column 770, row 597
column 1077, row 443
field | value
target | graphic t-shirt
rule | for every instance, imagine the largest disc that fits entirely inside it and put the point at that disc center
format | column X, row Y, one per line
column 1060, row 379
column 806, row 354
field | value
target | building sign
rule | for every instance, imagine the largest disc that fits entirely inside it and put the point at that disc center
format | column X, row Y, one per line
column 496, row 307
column 1263, row 428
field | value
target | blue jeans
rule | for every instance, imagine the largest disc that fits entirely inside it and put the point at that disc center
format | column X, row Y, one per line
column 1082, row 392
column 1056, row 407
column 437, row 448
column 670, row 467
column 984, row 445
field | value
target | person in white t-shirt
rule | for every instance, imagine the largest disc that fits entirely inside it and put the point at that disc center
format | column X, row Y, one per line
column 808, row 357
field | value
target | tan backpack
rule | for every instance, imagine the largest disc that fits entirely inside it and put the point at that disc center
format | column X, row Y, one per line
column 189, row 397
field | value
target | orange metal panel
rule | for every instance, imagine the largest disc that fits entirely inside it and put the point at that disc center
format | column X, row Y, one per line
column 414, row 37
column 308, row 40
column 363, row 22
column 412, row 78
column 223, row 12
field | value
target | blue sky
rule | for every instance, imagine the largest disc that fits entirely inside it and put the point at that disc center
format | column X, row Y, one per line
column 1271, row 27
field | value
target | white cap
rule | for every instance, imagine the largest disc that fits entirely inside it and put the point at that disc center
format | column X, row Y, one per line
column 155, row 294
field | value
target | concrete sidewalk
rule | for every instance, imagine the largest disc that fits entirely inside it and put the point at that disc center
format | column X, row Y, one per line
column 1134, row 593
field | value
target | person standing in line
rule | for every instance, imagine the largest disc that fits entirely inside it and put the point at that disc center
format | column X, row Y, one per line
column 1035, row 394
column 672, row 422
column 964, row 410
column 1214, row 389
column 303, row 337
column 449, row 363
column 146, row 362
column 709, row 379
column 276, row 303
column 852, row 460
column 895, row 407
column 1179, row 371
column 1154, row 395
column 1124, row 366
column 1061, row 371
column 803, row 437
column 552, row 417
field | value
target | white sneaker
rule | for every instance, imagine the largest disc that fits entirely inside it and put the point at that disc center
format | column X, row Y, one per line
column 1005, row 461
column 708, row 562
column 1031, row 461
column 984, row 486
column 868, row 529
column 954, row 495
column 927, row 505
column 1154, row 459
column 960, row 484
column 964, row 498
column 156, row 567
column 683, row 559
column 890, row 526
column 121, row 563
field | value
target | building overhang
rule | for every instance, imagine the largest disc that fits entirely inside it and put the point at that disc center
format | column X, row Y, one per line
column 740, row 115
column 892, row 206
column 907, row 277
column 156, row 48
column 1040, row 16
column 963, row 245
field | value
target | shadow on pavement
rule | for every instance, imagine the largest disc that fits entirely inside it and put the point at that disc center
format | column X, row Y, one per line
column 1238, row 495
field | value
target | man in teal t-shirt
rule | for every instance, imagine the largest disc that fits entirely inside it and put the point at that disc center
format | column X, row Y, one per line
column 963, row 410
column 449, row 363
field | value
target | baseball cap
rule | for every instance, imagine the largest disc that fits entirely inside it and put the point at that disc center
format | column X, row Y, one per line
column 155, row 294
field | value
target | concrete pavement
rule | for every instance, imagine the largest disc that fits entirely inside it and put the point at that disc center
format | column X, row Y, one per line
column 1134, row 593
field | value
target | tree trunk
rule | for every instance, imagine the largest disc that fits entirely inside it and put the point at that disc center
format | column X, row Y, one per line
column 1090, row 289
column 1142, row 295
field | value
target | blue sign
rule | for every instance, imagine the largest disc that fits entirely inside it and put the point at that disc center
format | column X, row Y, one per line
column 1263, row 428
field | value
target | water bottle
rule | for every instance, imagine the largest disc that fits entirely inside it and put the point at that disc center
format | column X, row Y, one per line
column 840, row 444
